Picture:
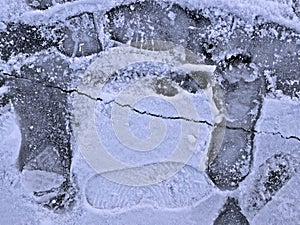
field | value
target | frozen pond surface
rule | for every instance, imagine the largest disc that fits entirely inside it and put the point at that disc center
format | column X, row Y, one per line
column 149, row 112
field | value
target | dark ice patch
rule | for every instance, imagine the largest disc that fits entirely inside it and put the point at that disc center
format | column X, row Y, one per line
column 47, row 159
column 43, row 113
column 231, row 214
column 287, row 72
column 229, row 165
column 232, row 163
column 75, row 37
column 43, row 109
column 224, row 33
column 243, row 101
column 276, row 51
column 164, row 87
column 80, row 36
column 149, row 20
column 270, row 42
column 51, row 71
column 22, row 38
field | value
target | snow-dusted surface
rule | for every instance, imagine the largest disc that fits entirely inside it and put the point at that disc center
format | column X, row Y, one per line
column 252, row 177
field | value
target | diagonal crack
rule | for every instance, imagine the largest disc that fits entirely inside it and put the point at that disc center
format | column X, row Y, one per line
column 250, row 131
column 70, row 91
column 264, row 132
column 162, row 116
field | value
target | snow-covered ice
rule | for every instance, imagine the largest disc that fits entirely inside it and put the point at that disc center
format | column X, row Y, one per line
column 196, row 104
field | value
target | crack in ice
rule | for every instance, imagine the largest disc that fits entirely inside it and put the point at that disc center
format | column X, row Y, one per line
column 70, row 91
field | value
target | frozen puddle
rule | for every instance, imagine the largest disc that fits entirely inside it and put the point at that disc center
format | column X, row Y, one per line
column 185, row 189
